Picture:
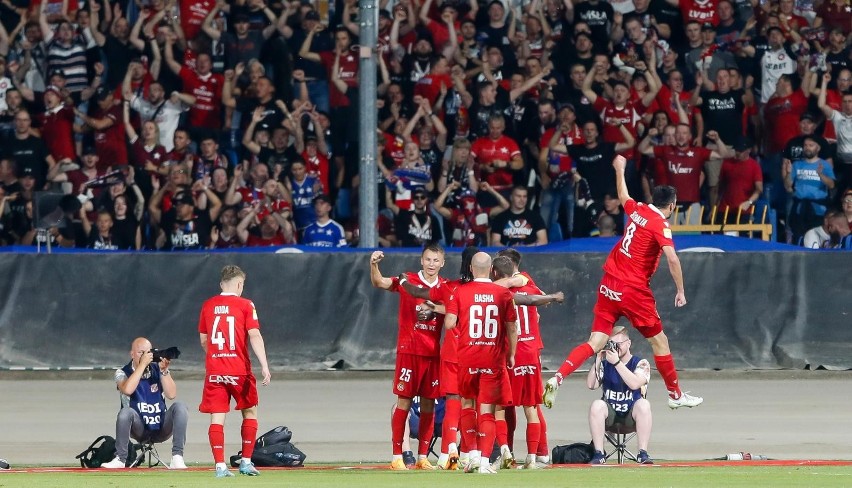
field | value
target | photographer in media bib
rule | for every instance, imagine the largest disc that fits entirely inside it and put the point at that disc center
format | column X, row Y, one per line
column 144, row 386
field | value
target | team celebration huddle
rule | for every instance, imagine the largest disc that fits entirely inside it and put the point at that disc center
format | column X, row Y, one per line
column 489, row 360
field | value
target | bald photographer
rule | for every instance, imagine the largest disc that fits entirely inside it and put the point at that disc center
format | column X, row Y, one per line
column 145, row 383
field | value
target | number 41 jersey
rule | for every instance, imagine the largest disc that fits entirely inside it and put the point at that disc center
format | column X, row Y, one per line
column 636, row 256
column 482, row 308
column 226, row 319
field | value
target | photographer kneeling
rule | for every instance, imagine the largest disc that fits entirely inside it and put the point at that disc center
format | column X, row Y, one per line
column 144, row 385
column 624, row 378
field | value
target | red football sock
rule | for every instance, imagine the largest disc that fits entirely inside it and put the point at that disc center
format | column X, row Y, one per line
column 542, row 440
column 666, row 367
column 398, row 420
column 533, row 435
column 467, row 424
column 450, row 427
column 487, row 428
column 511, row 425
column 216, row 435
column 248, row 432
column 575, row 359
column 427, row 428
column 501, row 430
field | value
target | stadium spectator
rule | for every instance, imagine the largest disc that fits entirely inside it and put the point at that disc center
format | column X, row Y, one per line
column 808, row 179
column 518, row 226
column 416, row 227
column 323, row 232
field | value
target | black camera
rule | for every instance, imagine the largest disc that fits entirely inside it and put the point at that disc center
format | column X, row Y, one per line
column 169, row 353
column 611, row 346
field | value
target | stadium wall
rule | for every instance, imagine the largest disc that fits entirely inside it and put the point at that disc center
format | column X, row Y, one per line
column 746, row 310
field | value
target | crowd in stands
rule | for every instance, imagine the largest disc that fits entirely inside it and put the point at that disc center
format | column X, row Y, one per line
column 197, row 124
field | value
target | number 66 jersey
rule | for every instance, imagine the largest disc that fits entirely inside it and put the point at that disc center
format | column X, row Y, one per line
column 226, row 319
column 483, row 309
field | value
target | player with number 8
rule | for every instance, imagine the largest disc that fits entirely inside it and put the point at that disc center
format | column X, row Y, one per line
column 625, row 289
column 227, row 324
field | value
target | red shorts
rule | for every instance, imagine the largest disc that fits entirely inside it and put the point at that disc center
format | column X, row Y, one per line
column 615, row 299
column 527, row 389
column 220, row 388
column 449, row 378
column 485, row 385
column 416, row 376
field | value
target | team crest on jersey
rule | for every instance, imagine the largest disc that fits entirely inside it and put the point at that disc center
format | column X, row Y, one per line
column 155, row 388
column 400, row 386
column 667, row 233
column 253, row 311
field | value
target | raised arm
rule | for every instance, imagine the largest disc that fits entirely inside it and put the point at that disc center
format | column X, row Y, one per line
column 376, row 277
column 169, row 54
column 128, row 127
column 587, row 84
column 619, row 163
column 209, row 24
column 305, row 51
column 629, row 140
column 645, row 146
column 828, row 111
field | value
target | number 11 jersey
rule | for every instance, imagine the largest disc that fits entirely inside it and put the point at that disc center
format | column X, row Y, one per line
column 226, row 319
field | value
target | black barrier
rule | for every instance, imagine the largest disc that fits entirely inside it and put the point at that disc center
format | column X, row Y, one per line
column 745, row 310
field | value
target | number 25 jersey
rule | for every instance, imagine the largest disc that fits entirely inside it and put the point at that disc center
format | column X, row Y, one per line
column 226, row 319
column 636, row 256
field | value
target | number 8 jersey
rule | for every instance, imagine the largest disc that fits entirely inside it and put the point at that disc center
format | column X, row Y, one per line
column 482, row 308
column 636, row 256
column 226, row 319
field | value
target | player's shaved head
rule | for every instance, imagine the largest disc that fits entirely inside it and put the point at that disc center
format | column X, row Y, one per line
column 503, row 267
column 480, row 265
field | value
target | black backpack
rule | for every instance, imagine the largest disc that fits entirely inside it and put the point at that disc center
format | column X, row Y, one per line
column 278, row 435
column 577, row 453
column 102, row 451
column 274, row 450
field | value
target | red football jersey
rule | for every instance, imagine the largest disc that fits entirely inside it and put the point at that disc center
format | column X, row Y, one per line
column 700, row 11
column 486, row 150
column 529, row 337
column 443, row 293
column 110, row 142
column 347, row 71
column 57, row 131
column 782, row 119
column 192, row 14
column 739, row 179
column 628, row 116
column 207, row 90
column 226, row 319
column 635, row 257
column 421, row 338
column 482, row 308
column 683, row 169
column 571, row 138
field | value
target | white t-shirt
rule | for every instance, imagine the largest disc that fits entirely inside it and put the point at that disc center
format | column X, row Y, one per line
column 843, row 128
column 773, row 64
